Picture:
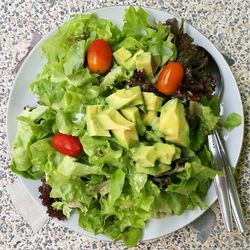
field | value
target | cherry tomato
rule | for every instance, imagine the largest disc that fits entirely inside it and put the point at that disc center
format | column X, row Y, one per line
column 99, row 56
column 170, row 78
column 66, row 144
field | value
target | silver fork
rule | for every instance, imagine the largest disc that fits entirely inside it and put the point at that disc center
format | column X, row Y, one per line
column 221, row 185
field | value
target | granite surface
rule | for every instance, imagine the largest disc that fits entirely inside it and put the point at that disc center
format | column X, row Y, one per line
column 225, row 23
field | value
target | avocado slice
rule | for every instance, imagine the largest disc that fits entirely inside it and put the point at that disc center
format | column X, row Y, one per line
column 133, row 115
column 152, row 101
column 111, row 119
column 149, row 117
column 144, row 156
column 130, row 64
column 125, row 97
column 126, row 138
column 93, row 127
column 122, row 55
column 124, row 58
column 173, row 123
column 144, row 63
column 165, row 152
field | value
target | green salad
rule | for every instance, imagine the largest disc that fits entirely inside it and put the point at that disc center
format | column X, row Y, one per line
column 119, row 133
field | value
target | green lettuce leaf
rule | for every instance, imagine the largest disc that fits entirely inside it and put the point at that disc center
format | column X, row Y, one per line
column 72, row 123
column 202, row 121
column 117, row 74
column 132, row 236
column 74, row 58
column 233, row 120
column 135, row 22
column 70, row 167
column 32, row 126
column 68, row 189
column 67, row 207
column 93, row 220
column 131, row 43
column 44, row 156
column 117, row 182
column 100, row 152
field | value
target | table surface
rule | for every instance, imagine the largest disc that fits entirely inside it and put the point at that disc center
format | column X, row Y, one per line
column 225, row 23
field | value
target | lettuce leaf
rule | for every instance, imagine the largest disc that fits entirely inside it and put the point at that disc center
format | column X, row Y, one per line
column 135, row 22
column 69, row 167
column 33, row 125
column 100, row 152
column 202, row 121
column 233, row 120
column 68, row 189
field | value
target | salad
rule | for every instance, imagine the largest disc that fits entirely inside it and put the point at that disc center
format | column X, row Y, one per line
column 119, row 133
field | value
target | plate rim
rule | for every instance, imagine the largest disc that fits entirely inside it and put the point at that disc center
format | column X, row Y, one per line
column 146, row 8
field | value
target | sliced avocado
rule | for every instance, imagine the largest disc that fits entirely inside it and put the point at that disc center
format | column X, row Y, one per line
column 144, row 63
column 126, row 138
column 165, row 152
column 173, row 123
column 111, row 119
column 130, row 64
column 133, row 115
column 152, row 101
column 144, row 156
column 122, row 55
column 93, row 127
column 126, row 97
column 148, row 117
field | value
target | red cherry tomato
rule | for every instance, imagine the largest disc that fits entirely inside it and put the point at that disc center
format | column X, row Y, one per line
column 66, row 144
column 99, row 56
column 170, row 78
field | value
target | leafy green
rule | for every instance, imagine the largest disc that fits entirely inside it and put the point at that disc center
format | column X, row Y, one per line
column 117, row 182
column 131, row 43
column 233, row 120
column 33, row 125
column 68, row 189
column 116, row 74
column 132, row 236
column 67, row 207
column 213, row 104
column 99, row 151
column 69, row 167
column 202, row 121
column 75, row 57
column 135, row 22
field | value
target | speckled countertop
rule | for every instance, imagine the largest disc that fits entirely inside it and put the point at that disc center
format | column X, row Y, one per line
column 225, row 23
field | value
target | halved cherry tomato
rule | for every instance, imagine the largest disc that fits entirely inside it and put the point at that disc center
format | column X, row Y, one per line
column 170, row 78
column 99, row 56
column 66, row 144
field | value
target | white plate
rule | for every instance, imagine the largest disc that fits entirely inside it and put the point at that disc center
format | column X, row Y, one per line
column 231, row 99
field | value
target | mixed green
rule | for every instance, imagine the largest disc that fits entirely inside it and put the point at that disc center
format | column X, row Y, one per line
column 142, row 154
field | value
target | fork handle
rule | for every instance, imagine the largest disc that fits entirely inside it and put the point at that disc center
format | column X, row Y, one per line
column 234, row 196
column 224, row 202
